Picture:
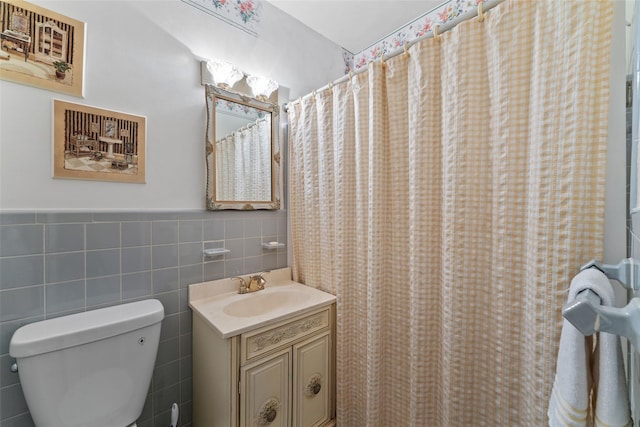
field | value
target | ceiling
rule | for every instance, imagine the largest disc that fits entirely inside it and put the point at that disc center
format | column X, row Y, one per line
column 356, row 24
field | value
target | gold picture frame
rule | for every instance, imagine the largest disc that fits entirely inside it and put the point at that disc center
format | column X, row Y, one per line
column 41, row 48
column 82, row 150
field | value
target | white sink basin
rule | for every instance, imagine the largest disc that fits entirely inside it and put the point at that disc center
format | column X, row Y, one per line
column 261, row 302
column 230, row 313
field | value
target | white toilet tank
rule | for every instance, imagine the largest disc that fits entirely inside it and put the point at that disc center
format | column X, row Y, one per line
column 90, row 369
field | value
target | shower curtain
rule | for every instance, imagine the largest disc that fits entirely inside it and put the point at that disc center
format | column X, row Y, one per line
column 243, row 155
column 447, row 196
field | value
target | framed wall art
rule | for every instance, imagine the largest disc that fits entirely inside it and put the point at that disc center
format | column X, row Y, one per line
column 41, row 48
column 97, row 144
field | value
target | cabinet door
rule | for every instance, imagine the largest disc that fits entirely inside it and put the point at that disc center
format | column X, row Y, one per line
column 311, row 382
column 266, row 392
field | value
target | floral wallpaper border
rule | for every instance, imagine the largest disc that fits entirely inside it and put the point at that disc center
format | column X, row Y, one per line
column 446, row 12
column 242, row 14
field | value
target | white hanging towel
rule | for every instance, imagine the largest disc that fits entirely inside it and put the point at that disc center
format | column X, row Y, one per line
column 587, row 377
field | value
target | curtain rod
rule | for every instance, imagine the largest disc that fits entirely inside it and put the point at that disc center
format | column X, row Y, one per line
column 472, row 13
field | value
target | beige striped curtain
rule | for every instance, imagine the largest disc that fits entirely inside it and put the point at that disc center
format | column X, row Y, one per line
column 447, row 197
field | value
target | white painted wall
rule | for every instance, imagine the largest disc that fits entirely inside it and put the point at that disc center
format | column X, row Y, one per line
column 142, row 57
column 615, row 227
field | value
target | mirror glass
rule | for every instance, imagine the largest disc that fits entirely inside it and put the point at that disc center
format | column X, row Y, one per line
column 242, row 152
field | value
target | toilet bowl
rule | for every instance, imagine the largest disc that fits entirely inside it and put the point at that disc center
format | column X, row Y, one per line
column 89, row 369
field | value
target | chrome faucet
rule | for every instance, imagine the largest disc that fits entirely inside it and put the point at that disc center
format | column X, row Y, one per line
column 254, row 284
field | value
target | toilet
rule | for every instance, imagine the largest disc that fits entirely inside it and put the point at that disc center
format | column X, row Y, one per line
column 90, row 369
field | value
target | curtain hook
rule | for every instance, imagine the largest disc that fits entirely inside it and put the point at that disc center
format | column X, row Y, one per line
column 330, row 86
column 480, row 12
column 435, row 32
column 406, row 48
column 314, row 93
column 350, row 74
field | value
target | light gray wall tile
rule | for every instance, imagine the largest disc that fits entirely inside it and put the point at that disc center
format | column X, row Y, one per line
column 136, row 233
column 164, row 232
column 233, row 229
column 21, row 240
column 164, row 398
column 191, row 253
column 64, row 267
column 186, row 321
column 252, row 227
column 214, row 270
column 175, row 257
column 170, row 327
column 8, row 328
column 190, row 274
column 63, row 217
column 12, row 401
column 168, row 351
column 64, row 237
column 136, row 259
column 66, row 296
column 191, row 231
column 103, row 263
column 136, row 285
column 185, row 390
column 159, row 216
column 166, row 375
column 7, row 377
column 187, row 409
column 185, row 352
column 116, row 216
column 252, row 246
column 21, row 271
column 146, row 418
column 269, row 227
column 282, row 228
column 21, row 303
column 282, row 259
column 24, row 420
column 170, row 301
column 164, row 256
column 236, row 246
column 234, row 267
column 103, row 290
column 213, row 229
column 165, row 280
column 183, row 306
column 193, row 214
column 270, row 261
column 14, row 218
column 253, row 264
column 103, row 235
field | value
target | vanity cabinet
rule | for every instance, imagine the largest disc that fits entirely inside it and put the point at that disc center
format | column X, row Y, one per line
column 277, row 375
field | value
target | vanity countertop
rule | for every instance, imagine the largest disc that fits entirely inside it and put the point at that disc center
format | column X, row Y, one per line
column 220, row 305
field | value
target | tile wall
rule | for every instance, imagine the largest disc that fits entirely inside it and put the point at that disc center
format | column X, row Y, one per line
column 53, row 264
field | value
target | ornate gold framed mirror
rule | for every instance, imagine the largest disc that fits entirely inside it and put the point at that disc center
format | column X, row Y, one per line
column 243, row 152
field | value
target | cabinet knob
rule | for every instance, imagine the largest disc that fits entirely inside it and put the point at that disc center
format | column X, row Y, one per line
column 268, row 412
column 271, row 415
column 314, row 386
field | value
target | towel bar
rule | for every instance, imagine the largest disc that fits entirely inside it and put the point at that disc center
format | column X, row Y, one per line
column 626, row 272
column 582, row 312
column 588, row 316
